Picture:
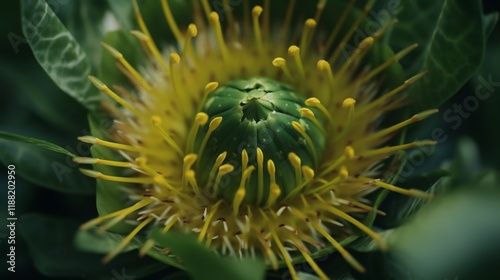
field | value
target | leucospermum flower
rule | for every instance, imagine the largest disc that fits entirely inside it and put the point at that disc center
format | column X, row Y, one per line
column 256, row 136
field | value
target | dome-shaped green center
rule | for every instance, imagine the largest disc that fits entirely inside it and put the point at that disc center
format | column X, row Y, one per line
column 262, row 126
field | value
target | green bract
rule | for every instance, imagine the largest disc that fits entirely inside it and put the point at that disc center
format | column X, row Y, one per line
column 258, row 113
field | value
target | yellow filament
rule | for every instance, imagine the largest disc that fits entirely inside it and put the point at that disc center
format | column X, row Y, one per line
column 395, row 58
column 214, row 20
column 381, row 242
column 132, row 180
column 281, row 63
column 284, row 253
column 396, row 127
column 229, row 14
column 343, row 174
column 223, row 170
column 294, row 52
column 300, row 129
column 307, row 257
column 338, row 25
column 220, row 159
column 307, row 35
column 349, row 33
column 157, row 122
column 126, row 240
column 192, row 31
column 199, row 120
column 206, row 8
column 260, row 175
column 171, row 21
column 210, row 87
column 188, row 163
column 88, row 160
column 392, row 149
column 210, row 215
column 307, row 113
column 241, row 192
column 288, row 18
column 408, row 192
column 102, row 87
column 121, row 213
column 134, row 74
column 211, row 127
column 324, row 66
column 256, row 11
column 358, row 54
column 170, row 223
column 295, row 161
column 314, row 102
column 117, row 146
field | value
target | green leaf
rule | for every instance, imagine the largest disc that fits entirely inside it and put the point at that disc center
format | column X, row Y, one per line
column 203, row 264
column 453, row 236
column 490, row 22
column 123, row 11
column 57, row 52
column 54, row 254
column 452, row 53
column 91, row 241
column 44, row 164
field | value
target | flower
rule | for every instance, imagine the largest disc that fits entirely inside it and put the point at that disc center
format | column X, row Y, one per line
column 259, row 141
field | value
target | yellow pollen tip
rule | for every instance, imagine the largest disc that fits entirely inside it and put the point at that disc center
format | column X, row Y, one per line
column 323, row 65
column 308, row 172
column 425, row 114
column 311, row 23
column 293, row 50
column 349, row 152
column 192, row 30
column 343, row 173
column 139, row 35
column 348, row 102
column 416, row 77
column 141, row 161
column 307, row 113
column 225, row 169
column 256, row 11
column 112, row 51
column 156, row 120
column 190, row 159
column 211, row 87
column 294, row 160
column 159, row 180
column 214, row 17
column 88, row 139
column 201, row 118
column 279, row 62
column 215, row 123
column 85, row 160
column 91, row 173
column 174, row 58
column 313, row 102
column 366, row 43
column 97, row 83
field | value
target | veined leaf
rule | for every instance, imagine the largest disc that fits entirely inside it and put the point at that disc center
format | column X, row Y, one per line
column 58, row 52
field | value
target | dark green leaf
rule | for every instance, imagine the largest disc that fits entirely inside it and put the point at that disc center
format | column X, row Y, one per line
column 57, row 52
column 454, row 235
column 91, row 241
column 452, row 54
column 203, row 264
column 51, row 244
column 123, row 11
column 44, row 164
column 490, row 22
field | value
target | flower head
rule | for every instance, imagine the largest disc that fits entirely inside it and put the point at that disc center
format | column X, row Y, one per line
column 256, row 136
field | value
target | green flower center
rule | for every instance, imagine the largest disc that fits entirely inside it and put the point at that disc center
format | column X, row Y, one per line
column 264, row 146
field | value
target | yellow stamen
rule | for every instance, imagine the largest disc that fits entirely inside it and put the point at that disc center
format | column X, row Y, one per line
column 223, row 170
column 102, row 87
column 256, row 11
column 214, row 20
column 100, row 142
column 210, row 215
column 338, row 25
column 349, row 33
column 281, row 63
column 132, row 180
column 191, row 177
column 369, row 76
column 314, row 102
column 206, row 8
column 408, row 192
column 241, row 192
column 188, row 163
column 170, row 222
column 134, row 74
column 149, row 41
column 307, row 113
column 229, row 14
column 199, row 120
column 331, row 165
column 381, row 242
column 303, row 250
column 126, row 240
column 358, row 54
column 295, row 161
column 87, row 160
column 220, row 159
column 210, row 87
column 260, row 175
column 121, row 213
column 157, row 122
column 294, row 52
column 285, row 27
column 307, row 35
column 274, row 191
column 343, row 174
column 191, row 32
column 392, row 149
column 284, row 253
column 349, row 103
column 324, row 66
column 171, row 21
column 214, row 124
column 396, row 127
column 300, row 129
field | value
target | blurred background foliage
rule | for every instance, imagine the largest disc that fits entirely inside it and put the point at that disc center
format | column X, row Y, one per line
column 456, row 236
